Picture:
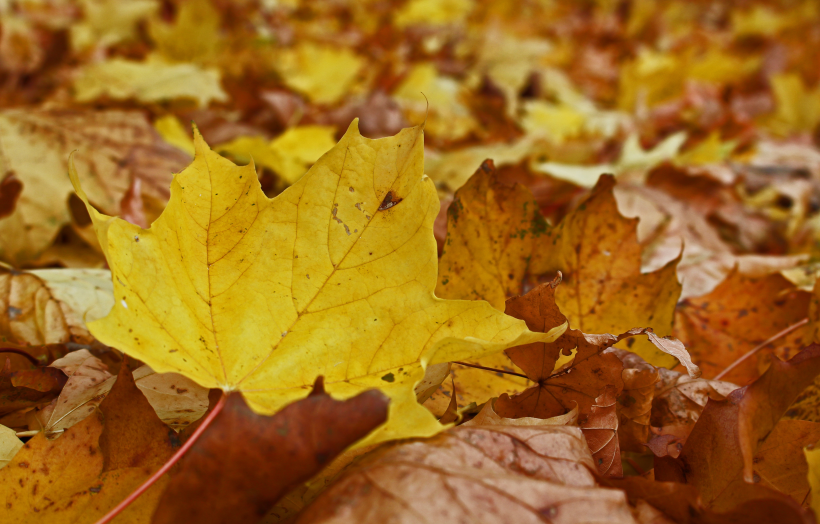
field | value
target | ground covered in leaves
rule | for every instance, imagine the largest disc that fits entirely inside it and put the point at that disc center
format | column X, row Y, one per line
column 414, row 261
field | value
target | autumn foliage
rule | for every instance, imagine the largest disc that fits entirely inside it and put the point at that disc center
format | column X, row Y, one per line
column 409, row 261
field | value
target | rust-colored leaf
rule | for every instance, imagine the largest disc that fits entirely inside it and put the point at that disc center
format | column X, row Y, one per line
column 245, row 462
column 723, row 443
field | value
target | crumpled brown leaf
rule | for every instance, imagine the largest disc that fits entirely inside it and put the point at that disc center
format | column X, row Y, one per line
column 726, row 437
column 475, row 474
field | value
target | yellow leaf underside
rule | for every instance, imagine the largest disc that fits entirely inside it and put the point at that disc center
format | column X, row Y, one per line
column 242, row 292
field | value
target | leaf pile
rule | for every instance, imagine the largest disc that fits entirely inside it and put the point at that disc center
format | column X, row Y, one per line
column 415, row 260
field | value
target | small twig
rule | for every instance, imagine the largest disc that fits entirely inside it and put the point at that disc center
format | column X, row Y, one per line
column 21, row 353
column 30, row 433
column 760, row 346
column 168, row 465
column 491, row 369
column 635, row 466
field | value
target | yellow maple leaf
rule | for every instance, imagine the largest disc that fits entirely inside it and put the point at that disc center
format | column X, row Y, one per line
column 289, row 155
column 333, row 277
column 149, row 81
column 322, row 73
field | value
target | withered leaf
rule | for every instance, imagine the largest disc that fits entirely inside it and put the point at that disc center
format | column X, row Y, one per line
column 245, row 462
column 725, row 439
column 474, row 474
column 597, row 250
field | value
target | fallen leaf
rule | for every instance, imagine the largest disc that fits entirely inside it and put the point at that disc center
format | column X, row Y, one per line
column 51, row 306
column 738, row 315
column 134, row 436
column 726, row 437
column 92, row 466
column 597, row 251
column 635, row 401
column 178, row 401
column 289, row 155
column 682, row 505
column 600, row 428
column 117, row 146
column 146, row 82
column 475, row 474
column 108, row 22
column 581, row 378
column 491, row 230
column 269, row 281
column 813, row 460
column 9, row 445
column 488, row 417
column 220, row 481
column 323, row 73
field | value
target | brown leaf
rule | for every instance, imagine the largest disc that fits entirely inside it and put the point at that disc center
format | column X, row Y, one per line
column 116, row 146
column 556, row 393
column 245, row 462
column 474, row 474
column 133, row 436
column 724, row 441
column 94, row 465
column 10, row 189
column 682, row 504
column 600, row 428
column 597, row 250
column 635, row 401
column 739, row 314
column 13, row 398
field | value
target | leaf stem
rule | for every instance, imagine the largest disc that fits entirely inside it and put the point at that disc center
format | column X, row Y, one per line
column 168, row 465
column 761, row 346
column 21, row 353
column 491, row 369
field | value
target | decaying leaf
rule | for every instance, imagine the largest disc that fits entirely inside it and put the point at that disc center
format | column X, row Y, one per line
column 9, row 445
column 475, row 474
column 722, row 445
column 266, row 282
column 92, row 466
column 735, row 317
column 598, row 253
column 52, row 306
column 220, row 481
column 580, row 379
column 112, row 147
column 177, row 400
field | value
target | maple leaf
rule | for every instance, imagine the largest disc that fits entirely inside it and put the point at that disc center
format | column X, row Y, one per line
column 301, row 439
column 475, row 474
column 491, row 229
column 578, row 380
column 333, row 277
column 597, row 251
